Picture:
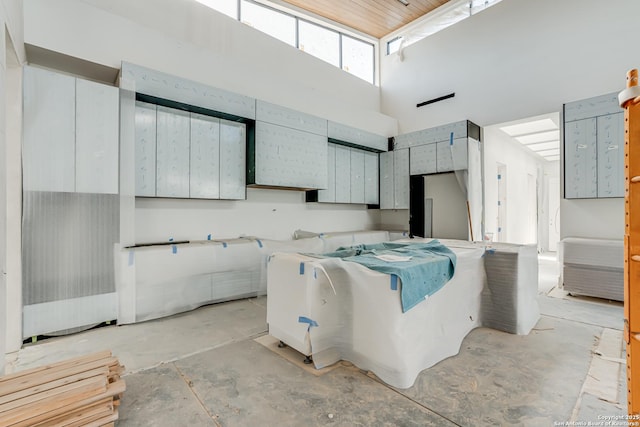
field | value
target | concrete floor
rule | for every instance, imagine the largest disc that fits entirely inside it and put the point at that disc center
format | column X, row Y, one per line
column 203, row 368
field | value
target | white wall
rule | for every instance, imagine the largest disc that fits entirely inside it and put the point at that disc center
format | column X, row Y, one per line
column 449, row 213
column 519, row 59
column 11, row 55
column 187, row 39
column 501, row 148
column 516, row 59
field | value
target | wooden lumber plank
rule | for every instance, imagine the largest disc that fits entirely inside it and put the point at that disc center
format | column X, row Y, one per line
column 65, row 363
column 106, row 421
column 48, row 385
column 52, row 374
column 80, row 416
column 79, row 404
column 81, row 390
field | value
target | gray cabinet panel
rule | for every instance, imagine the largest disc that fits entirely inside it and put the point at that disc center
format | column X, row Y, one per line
column 451, row 155
column 288, row 157
column 343, row 174
column 232, row 160
column 204, row 171
column 156, row 83
column 97, row 130
column 401, row 178
column 49, row 131
column 277, row 115
column 329, row 195
column 357, row 136
column 172, row 153
column 434, row 134
column 611, row 155
column 387, row 199
column 580, row 153
column 357, row 176
column 371, row 194
column 145, row 140
column 592, row 107
column 423, row 159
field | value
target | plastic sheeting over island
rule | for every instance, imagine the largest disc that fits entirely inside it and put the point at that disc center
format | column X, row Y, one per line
column 339, row 310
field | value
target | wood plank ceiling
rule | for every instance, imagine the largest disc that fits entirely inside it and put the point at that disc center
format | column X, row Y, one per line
column 376, row 18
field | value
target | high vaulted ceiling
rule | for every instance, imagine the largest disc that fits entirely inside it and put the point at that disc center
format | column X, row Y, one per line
column 376, row 18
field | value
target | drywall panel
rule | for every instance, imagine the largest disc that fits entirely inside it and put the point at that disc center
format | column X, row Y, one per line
column 512, row 71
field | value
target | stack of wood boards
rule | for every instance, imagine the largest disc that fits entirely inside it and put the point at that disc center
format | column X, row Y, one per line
column 84, row 391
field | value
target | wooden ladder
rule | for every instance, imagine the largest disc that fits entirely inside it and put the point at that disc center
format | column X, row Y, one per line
column 630, row 101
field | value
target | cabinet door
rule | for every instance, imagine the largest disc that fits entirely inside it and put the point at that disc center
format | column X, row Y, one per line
column 357, row 176
column 204, row 170
column 232, row 160
column 97, row 130
column 329, row 195
column 145, row 140
column 287, row 157
column 371, row 196
column 401, row 178
column 343, row 174
column 386, row 181
column 278, row 115
column 423, row 159
column 580, row 159
column 172, row 158
column 451, row 155
column 611, row 155
column 49, row 131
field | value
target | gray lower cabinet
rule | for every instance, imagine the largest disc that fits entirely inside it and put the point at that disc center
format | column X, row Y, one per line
column 394, row 179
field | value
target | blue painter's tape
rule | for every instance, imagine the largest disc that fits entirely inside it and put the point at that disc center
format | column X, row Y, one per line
column 499, row 203
column 315, row 274
column 132, row 257
column 451, row 139
column 491, row 251
column 394, row 282
column 224, row 244
column 208, row 236
column 499, row 176
column 174, row 249
column 310, row 322
column 301, row 268
column 259, row 242
column 171, row 239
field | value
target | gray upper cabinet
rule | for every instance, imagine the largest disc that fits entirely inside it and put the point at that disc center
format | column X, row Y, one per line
column 451, row 155
column 232, row 160
column 97, row 131
column 204, row 170
column 435, row 134
column 49, row 131
column 70, row 141
column 387, row 192
column 172, row 153
column 394, row 179
column 356, row 136
column 352, row 176
column 371, row 173
column 286, row 157
column 594, row 148
column 282, row 116
column 423, row 159
column 145, row 149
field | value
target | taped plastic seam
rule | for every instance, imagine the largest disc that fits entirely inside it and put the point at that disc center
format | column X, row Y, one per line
column 310, row 322
column 302, row 268
column 319, row 266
